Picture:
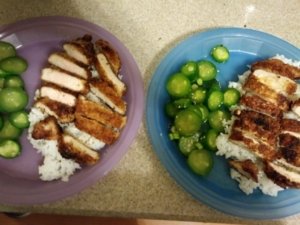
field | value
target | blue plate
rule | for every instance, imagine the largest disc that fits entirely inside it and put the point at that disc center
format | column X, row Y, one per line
column 217, row 190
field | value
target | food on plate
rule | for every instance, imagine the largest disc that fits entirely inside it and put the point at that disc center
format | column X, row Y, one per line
column 13, row 100
column 220, row 53
column 262, row 140
column 197, row 108
column 79, row 107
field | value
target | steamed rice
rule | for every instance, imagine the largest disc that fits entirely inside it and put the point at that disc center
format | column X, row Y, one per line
column 233, row 151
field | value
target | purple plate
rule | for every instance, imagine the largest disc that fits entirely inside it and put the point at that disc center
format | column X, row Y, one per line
column 35, row 39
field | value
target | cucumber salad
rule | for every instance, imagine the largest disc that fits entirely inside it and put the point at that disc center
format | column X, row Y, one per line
column 198, row 108
column 13, row 100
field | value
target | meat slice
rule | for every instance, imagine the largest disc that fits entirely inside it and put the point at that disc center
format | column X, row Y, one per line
column 296, row 107
column 290, row 148
column 57, row 94
column 111, row 55
column 96, row 129
column 103, row 91
column 81, row 49
column 100, row 113
column 65, row 80
column 65, row 62
column 71, row 148
column 247, row 168
column 46, row 129
column 282, row 175
column 278, row 67
column 253, row 85
column 260, row 105
column 63, row 113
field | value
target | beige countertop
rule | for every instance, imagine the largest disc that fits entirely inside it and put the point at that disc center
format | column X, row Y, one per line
column 139, row 186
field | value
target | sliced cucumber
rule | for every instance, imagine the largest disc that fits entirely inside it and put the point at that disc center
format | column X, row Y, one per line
column 19, row 119
column 6, row 50
column 13, row 99
column 9, row 131
column 207, row 70
column 215, row 100
column 13, row 65
column 9, row 149
column 231, row 97
column 14, row 81
column 220, row 53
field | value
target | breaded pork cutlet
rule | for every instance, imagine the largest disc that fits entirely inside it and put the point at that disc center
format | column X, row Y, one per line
column 253, row 85
column 47, row 129
column 63, row 79
column 295, row 107
column 278, row 67
column 81, row 49
column 63, row 113
column 100, row 113
column 69, row 147
column 108, row 95
column 57, row 94
column 107, row 61
column 246, row 168
column 96, row 129
column 67, row 63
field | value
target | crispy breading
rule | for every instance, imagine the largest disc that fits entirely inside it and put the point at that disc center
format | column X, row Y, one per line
column 71, row 148
column 255, row 146
column 111, row 54
column 278, row 67
column 63, row 113
column 47, row 129
column 258, row 104
column 97, row 130
column 253, row 85
column 295, row 107
column 290, row 148
column 105, row 92
column 67, row 63
column 290, row 125
column 246, row 168
column 81, row 49
column 100, row 113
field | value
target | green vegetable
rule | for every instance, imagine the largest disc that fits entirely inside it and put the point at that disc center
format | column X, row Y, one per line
column 9, row 131
column 2, row 81
column 178, row 85
column 220, row 53
column 196, row 109
column 14, row 81
column 210, row 139
column 207, row 70
column 19, row 119
column 231, row 97
column 3, row 73
column 215, row 100
column 204, row 112
column 6, row 50
column 13, row 65
column 189, row 69
column 200, row 162
column 13, row 99
column 9, row 149
column 182, row 103
column 188, row 144
column 171, row 110
column 216, row 119
column 187, row 122
column 198, row 95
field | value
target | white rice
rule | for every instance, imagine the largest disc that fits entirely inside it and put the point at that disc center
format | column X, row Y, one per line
column 230, row 150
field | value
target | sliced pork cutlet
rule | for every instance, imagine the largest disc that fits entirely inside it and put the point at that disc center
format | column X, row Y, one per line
column 253, row 85
column 108, row 95
column 67, row 63
column 71, row 148
column 96, row 129
column 106, row 71
column 247, row 168
column 58, row 94
column 47, row 129
column 111, row 55
column 260, row 126
column 81, row 49
column 296, row 107
column 62, row 112
column 63, row 79
column 278, row 67
column 256, row 103
column 99, row 112
column 284, row 175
